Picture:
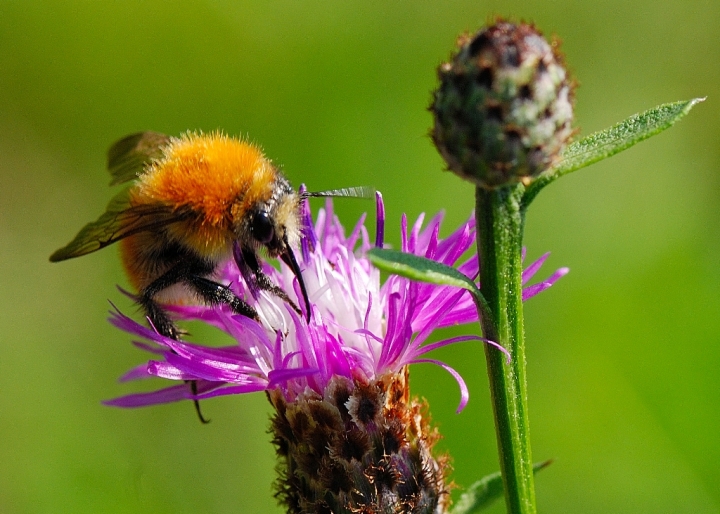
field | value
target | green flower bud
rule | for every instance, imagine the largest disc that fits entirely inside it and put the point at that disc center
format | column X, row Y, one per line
column 504, row 108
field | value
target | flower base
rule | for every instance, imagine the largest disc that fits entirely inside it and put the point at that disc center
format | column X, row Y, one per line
column 361, row 447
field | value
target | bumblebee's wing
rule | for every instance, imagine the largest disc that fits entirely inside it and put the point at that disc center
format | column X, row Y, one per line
column 127, row 158
column 120, row 220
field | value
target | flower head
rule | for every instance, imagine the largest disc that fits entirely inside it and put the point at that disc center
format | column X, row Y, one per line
column 348, row 436
column 359, row 329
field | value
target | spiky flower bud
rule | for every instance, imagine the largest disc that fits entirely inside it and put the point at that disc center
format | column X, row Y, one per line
column 504, row 108
column 362, row 447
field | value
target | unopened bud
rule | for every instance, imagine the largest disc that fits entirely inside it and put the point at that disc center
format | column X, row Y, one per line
column 504, row 108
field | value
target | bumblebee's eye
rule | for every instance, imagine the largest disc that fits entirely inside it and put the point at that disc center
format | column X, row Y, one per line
column 262, row 227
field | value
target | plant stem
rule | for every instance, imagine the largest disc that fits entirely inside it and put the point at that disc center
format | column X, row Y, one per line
column 500, row 222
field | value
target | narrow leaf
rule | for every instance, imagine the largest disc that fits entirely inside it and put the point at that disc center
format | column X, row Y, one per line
column 485, row 491
column 419, row 268
column 607, row 143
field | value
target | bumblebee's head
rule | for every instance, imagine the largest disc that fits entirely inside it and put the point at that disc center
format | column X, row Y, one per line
column 274, row 225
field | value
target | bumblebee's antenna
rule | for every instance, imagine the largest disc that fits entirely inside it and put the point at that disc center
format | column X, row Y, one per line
column 346, row 192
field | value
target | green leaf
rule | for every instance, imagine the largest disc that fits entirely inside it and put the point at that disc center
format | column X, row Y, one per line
column 485, row 491
column 607, row 143
column 421, row 269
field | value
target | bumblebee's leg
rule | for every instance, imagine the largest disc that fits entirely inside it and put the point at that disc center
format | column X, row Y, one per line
column 215, row 294
column 160, row 319
column 263, row 281
column 162, row 322
column 210, row 291
column 157, row 315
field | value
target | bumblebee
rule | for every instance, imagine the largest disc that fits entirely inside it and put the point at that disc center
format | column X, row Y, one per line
column 196, row 201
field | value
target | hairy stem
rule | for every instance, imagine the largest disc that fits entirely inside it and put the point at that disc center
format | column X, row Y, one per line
column 500, row 221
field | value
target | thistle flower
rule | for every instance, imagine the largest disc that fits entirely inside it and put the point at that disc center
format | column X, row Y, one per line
column 349, row 437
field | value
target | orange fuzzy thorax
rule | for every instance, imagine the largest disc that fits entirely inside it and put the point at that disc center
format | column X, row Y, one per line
column 208, row 173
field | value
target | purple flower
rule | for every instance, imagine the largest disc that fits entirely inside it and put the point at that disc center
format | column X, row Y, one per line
column 359, row 328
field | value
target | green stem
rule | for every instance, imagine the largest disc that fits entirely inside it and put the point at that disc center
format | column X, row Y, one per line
column 500, row 221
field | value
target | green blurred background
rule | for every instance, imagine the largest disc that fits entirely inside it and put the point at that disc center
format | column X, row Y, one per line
column 624, row 353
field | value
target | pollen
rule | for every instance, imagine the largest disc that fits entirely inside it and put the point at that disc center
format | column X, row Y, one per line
column 208, row 173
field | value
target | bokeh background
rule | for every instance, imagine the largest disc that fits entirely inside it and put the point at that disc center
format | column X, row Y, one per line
column 624, row 353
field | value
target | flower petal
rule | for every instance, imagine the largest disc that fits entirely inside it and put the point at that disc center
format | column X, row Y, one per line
column 535, row 289
column 464, row 393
